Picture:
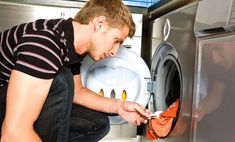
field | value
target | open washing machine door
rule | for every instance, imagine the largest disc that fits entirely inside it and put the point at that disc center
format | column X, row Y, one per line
column 123, row 77
column 166, row 81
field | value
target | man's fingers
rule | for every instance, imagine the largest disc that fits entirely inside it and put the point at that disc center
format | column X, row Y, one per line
column 140, row 120
column 142, row 110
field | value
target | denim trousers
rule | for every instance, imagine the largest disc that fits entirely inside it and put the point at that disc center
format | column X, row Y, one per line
column 62, row 121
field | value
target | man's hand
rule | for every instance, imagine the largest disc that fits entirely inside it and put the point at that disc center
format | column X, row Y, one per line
column 133, row 112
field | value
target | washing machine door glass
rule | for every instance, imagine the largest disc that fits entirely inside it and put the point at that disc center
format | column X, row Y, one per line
column 122, row 77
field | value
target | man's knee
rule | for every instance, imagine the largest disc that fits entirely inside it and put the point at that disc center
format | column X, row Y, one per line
column 55, row 114
column 87, row 124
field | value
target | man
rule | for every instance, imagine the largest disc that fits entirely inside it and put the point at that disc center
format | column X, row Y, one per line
column 40, row 76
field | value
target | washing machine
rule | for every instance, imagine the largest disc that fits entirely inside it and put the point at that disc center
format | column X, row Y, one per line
column 169, row 49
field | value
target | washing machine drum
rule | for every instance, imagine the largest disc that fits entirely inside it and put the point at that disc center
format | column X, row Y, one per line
column 122, row 77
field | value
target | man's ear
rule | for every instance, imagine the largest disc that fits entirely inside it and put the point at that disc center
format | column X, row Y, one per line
column 99, row 22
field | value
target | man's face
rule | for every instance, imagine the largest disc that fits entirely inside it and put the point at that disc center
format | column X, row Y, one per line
column 106, row 41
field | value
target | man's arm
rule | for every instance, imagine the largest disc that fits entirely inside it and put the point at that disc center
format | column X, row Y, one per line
column 25, row 98
column 130, row 111
column 86, row 97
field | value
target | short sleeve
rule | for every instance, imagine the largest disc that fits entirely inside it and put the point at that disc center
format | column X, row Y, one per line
column 38, row 54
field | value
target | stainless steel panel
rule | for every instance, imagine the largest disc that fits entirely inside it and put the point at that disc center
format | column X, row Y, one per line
column 164, row 6
column 55, row 3
column 13, row 14
column 214, row 16
column 214, row 99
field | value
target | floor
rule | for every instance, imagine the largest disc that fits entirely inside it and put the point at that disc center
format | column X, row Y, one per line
column 122, row 133
column 137, row 139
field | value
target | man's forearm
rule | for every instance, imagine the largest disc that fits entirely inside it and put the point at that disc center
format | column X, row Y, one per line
column 94, row 101
column 89, row 99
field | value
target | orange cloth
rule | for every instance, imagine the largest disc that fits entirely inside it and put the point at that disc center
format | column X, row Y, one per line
column 160, row 127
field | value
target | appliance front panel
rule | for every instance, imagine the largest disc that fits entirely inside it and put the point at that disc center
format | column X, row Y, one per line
column 213, row 111
column 176, row 30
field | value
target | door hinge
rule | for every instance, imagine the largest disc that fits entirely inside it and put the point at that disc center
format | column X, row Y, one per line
column 150, row 85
